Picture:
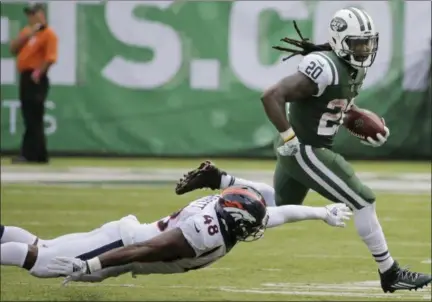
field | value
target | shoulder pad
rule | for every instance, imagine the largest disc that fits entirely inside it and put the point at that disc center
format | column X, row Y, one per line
column 320, row 69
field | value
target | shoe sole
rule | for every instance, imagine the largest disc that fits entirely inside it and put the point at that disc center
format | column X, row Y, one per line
column 410, row 289
column 180, row 189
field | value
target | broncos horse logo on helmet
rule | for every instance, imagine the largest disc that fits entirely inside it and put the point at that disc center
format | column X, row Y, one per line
column 244, row 212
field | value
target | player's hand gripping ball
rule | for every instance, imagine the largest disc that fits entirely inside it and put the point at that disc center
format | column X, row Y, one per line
column 367, row 126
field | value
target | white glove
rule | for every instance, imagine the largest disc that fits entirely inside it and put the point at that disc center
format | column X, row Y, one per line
column 381, row 139
column 68, row 266
column 336, row 214
column 291, row 145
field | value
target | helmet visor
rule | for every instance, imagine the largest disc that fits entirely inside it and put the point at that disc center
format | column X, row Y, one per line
column 361, row 48
column 250, row 233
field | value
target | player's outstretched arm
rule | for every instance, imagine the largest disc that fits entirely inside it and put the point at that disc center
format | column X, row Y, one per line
column 168, row 246
column 334, row 214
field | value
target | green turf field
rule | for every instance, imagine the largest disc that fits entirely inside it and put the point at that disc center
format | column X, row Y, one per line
column 300, row 261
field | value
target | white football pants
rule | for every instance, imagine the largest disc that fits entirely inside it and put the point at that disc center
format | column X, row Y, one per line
column 81, row 245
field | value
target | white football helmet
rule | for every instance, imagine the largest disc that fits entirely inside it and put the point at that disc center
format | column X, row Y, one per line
column 353, row 37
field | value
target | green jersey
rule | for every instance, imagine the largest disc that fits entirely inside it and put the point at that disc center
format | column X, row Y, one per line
column 316, row 120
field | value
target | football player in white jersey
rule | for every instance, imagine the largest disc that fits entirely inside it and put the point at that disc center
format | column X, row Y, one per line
column 190, row 239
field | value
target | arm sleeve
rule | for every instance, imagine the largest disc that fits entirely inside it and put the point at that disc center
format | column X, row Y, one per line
column 319, row 70
column 51, row 47
column 293, row 213
column 197, row 233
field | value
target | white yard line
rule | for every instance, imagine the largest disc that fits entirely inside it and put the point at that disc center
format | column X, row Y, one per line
column 400, row 182
column 180, row 171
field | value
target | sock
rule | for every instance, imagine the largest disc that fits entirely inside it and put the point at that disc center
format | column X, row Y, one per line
column 16, row 234
column 13, row 253
column 369, row 229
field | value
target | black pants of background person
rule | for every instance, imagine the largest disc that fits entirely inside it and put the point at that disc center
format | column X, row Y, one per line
column 32, row 96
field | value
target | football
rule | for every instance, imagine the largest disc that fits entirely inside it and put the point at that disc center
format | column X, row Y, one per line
column 363, row 123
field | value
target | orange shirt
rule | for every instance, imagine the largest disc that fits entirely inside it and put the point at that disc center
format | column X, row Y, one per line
column 42, row 47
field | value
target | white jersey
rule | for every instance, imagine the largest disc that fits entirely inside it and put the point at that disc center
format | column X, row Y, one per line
column 200, row 226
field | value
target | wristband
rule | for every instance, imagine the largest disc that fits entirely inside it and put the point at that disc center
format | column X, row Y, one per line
column 94, row 264
column 287, row 135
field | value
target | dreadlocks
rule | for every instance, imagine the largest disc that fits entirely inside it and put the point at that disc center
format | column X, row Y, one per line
column 306, row 46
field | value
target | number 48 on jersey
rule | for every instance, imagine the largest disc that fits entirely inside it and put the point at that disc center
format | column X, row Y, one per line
column 212, row 229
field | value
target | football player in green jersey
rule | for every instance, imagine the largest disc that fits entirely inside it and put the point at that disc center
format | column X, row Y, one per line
column 323, row 88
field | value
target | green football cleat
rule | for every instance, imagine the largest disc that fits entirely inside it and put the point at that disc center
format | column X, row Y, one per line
column 397, row 278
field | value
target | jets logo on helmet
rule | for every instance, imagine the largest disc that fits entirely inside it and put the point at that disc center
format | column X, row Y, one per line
column 245, row 212
column 338, row 24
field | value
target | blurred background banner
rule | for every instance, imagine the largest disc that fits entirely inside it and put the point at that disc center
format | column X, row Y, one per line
column 163, row 78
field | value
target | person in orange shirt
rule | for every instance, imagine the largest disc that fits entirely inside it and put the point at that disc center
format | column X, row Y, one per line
column 36, row 51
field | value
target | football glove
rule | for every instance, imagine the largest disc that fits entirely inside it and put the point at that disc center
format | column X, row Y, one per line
column 291, row 144
column 68, row 266
column 380, row 139
column 337, row 214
